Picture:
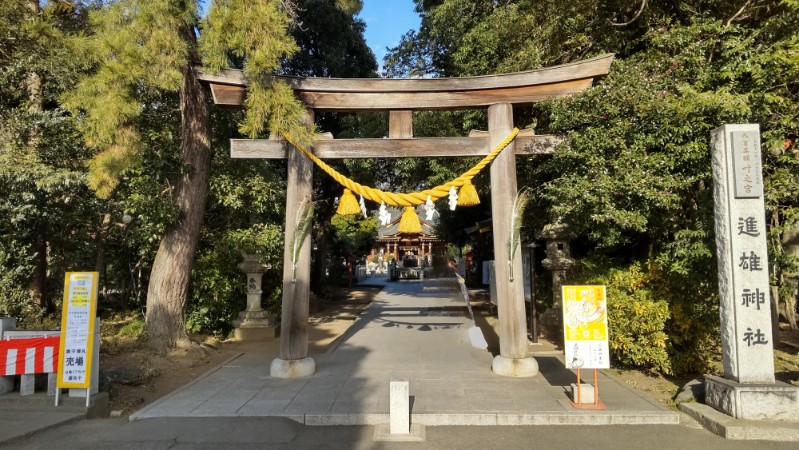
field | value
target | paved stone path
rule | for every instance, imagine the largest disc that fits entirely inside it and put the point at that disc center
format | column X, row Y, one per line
column 413, row 333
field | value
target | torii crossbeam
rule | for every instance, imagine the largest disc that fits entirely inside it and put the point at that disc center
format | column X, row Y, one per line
column 499, row 93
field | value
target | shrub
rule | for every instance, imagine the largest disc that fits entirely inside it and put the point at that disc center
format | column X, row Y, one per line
column 694, row 326
column 133, row 329
column 638, row 336
column 218, row 287
column 656, row 321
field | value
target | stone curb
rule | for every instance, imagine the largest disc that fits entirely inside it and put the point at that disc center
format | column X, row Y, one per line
column 71, row 410
column 67, row 420
column 744, row 430
column 591, row 418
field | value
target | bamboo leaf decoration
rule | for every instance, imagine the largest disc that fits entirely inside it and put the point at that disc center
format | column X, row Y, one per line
column 514, row 237
column 304, row 218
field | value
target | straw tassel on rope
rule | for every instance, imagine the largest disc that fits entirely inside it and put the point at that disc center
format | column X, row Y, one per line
column 347, row 204
column 409, row 222
column 467, row 195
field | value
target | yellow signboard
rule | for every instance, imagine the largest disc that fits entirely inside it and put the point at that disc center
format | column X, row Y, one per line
column 77, row 330
column 585, row 327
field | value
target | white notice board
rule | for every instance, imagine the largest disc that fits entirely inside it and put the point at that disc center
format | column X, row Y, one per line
column 77, row 330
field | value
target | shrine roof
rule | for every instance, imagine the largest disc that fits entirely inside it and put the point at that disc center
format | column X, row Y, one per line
column 390, row 231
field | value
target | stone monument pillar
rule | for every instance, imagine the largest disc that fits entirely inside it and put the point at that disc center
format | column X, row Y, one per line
column 748, row 389
column 558, row 262
column 254, row 323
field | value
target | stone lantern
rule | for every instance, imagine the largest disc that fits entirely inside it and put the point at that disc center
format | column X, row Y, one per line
column 254, row 323
column 558, row 262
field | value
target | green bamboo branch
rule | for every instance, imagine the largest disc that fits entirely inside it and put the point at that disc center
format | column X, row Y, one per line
column 514, row 237
column 305, row 213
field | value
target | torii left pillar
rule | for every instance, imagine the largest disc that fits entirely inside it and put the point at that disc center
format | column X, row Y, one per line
column 294, row 361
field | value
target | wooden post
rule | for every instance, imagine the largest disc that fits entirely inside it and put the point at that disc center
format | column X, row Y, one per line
column 514, row 357
column 400, row 124
column 294, row 361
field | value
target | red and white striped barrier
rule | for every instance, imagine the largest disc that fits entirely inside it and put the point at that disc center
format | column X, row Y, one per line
column 29, row 356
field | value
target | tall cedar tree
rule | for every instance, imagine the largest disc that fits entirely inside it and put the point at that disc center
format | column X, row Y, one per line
column 145, row 46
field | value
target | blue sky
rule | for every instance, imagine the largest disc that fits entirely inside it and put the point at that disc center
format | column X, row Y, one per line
column 386, row 22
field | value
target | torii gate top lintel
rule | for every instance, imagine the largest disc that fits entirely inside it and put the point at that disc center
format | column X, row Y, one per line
column 375, row 94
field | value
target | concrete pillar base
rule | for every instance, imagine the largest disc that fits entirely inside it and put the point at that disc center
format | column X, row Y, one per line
column 6, row 384
column 776, row 401
column 515, row 367
column 292, row 368
column 27, row 383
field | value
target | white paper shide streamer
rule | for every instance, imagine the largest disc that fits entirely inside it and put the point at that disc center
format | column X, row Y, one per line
column 362, row 203
column 453, row 198
column 429, row 209
column 383, row 215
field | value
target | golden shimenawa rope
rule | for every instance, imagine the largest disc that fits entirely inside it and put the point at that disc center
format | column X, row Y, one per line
column 405, row 199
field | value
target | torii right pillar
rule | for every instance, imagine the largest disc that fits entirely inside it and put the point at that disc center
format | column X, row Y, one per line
column 514, row 358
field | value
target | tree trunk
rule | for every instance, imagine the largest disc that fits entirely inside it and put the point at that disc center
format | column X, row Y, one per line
column 33, row 84
column 99, row 261
column 171, row 272
column 39, row 276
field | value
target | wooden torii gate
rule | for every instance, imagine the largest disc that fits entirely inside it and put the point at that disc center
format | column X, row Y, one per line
column 499, row 93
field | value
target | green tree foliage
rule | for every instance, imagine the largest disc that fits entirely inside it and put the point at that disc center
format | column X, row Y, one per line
column 352, row 237
column 48, row 217
column 330, row 42
column 145, row 46
column 238, row 31
column 635, row 177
